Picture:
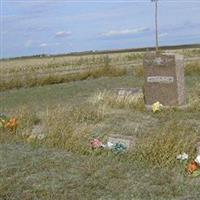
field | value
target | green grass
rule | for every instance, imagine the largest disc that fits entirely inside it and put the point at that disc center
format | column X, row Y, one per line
column 62, row 166
column 67, row 93
column 40, row 173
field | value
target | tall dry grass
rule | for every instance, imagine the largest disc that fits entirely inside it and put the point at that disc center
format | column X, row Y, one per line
column 194, row 99
column 54, row 63
column 138, row 71
column 190, row 52
column 30, row 80
column 113, row 100
column 71, row 129
column 26, row 116
column 161, row 148
column 192, row 68
column 63, row 127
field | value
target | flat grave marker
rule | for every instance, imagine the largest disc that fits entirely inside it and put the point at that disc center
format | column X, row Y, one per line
column 127, row 91
column 128, row 141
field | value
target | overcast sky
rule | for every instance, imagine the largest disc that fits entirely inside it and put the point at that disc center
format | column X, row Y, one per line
column 59, row 26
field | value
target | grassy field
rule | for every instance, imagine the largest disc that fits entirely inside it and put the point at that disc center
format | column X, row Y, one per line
column 62, row 164
column 29, row 72
column 48, row 62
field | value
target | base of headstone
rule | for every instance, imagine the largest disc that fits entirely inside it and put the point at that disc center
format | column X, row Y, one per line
column 164, row 79
column 181, row 107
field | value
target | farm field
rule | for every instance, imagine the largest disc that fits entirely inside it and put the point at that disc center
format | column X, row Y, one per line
column 52, row 62
column 29, row 72
column 61, row 165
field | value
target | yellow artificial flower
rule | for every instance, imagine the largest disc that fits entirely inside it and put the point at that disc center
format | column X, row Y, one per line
column 31, row 138
column 40, row 136
column 157, row 107
column 2, row 123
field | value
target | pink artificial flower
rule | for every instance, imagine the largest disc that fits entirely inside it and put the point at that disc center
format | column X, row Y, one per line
column 96, row 143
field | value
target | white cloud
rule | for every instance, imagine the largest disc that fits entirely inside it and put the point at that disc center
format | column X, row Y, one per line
column 124, row 32
column 43, row 45
column 63, row 33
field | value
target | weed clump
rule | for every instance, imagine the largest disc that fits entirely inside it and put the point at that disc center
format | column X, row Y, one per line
column 194, row 99
column 192, row 68
column 135, row 56
column 70, row 129
column 113, row 100
column 161, row 148
column 138, row 71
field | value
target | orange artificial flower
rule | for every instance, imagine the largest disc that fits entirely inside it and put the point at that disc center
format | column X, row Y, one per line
column 193, row 166
column 12, row 124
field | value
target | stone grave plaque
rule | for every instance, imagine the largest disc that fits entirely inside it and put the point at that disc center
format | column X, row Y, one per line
column 164, row 79
column 128, row 141
column 128, row 91
column 160, row 79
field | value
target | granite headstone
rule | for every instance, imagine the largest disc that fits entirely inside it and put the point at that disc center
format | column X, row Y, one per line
column 164, row 79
